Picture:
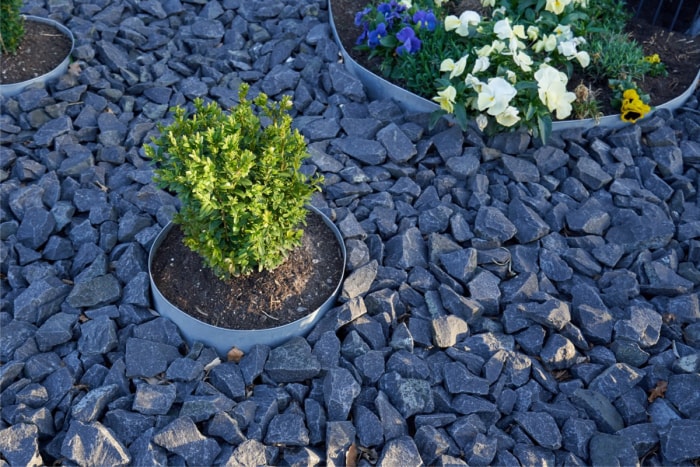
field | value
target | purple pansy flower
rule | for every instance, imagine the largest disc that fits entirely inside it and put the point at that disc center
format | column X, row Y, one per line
column 361, row 20
column 391, row 11
column 376, row 35
column 425, row 19
column 410, row 43
column 360, row 16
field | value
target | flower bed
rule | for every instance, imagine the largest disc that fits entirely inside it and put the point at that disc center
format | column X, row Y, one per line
column 502, row 73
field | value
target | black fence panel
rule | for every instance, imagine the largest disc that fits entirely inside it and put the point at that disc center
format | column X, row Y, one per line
column 677, row 15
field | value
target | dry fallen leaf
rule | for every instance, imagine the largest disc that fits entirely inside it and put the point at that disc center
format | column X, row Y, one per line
column 351, row 456
column 234, row 355
column 74, row 69
column 658, row 391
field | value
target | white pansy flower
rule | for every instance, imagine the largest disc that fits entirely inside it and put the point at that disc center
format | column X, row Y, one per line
column 484, row 51
column 583, row 58
column 563, row 32
column 481, row 64
column 472, row 81
column 533, row 32
column 505, row 32
column 523, row 60
column 556, row 6
column 548, row 43
column 498, row 46
column 519, row 31
column 502, row 29
column 455, row 68
column 462, row 24
column 551, row 87
column 567, row 49
column 407, row 3
column 452, row 23
column 472, row 18
column 488, row 3
column 459, row 67
column 446, row 99
column 447, row 65
column 570, row 51
column 508, row 117
column 495, row 96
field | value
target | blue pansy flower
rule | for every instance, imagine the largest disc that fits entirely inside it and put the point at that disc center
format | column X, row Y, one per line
column 360, row 20
column 360, row 16
column 410, row 43
column 376, row 35
column 391, row 11
column 425, row 19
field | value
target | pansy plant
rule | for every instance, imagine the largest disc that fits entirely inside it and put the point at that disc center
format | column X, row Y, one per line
column 505, row 66
column 393, row 28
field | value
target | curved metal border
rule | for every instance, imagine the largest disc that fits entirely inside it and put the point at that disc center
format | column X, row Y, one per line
column 223, row 339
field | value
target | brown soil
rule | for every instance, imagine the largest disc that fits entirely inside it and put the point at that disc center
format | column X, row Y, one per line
column 42, row 49
column 680, row 54
column 259, row 300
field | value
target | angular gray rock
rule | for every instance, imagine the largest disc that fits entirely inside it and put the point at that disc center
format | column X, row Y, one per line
column 228, row 379
column 679, row 441
column 491, row 224
column 398, row 146
column 541, row 427
column 409, row 396
column 98, row 291
column 146, row 358
column 406, row 250
column 152, row 399
column 19, row 444
column 339, row 437
column 292, row 362
column 616, row 380
column 599, row 409
column 98, row 336
column 607, row 449
column 643, row 326
column 40, row 300
column 287, row 429
column 182, row 437
column 448, row 330
column 93, row 444
column 92, row 405
column 359, row 281
column 339, row 391
column 401, row 451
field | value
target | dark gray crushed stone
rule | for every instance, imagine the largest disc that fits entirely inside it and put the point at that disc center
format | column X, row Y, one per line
column 506, row 302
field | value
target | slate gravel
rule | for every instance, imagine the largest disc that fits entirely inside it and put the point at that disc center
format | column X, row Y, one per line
column 507, row 303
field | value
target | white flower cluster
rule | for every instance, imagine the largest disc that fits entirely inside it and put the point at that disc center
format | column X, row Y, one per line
column 514, row 44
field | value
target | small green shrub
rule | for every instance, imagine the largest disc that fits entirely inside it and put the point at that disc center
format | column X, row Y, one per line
column 242, row 195
column 617, row 56
column 11, row 25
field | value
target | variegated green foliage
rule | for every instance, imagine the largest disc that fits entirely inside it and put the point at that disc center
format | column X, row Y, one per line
column 11, row 25
column 242, row 194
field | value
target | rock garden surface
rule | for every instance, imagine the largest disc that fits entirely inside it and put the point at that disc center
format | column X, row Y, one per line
column 505, row 303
